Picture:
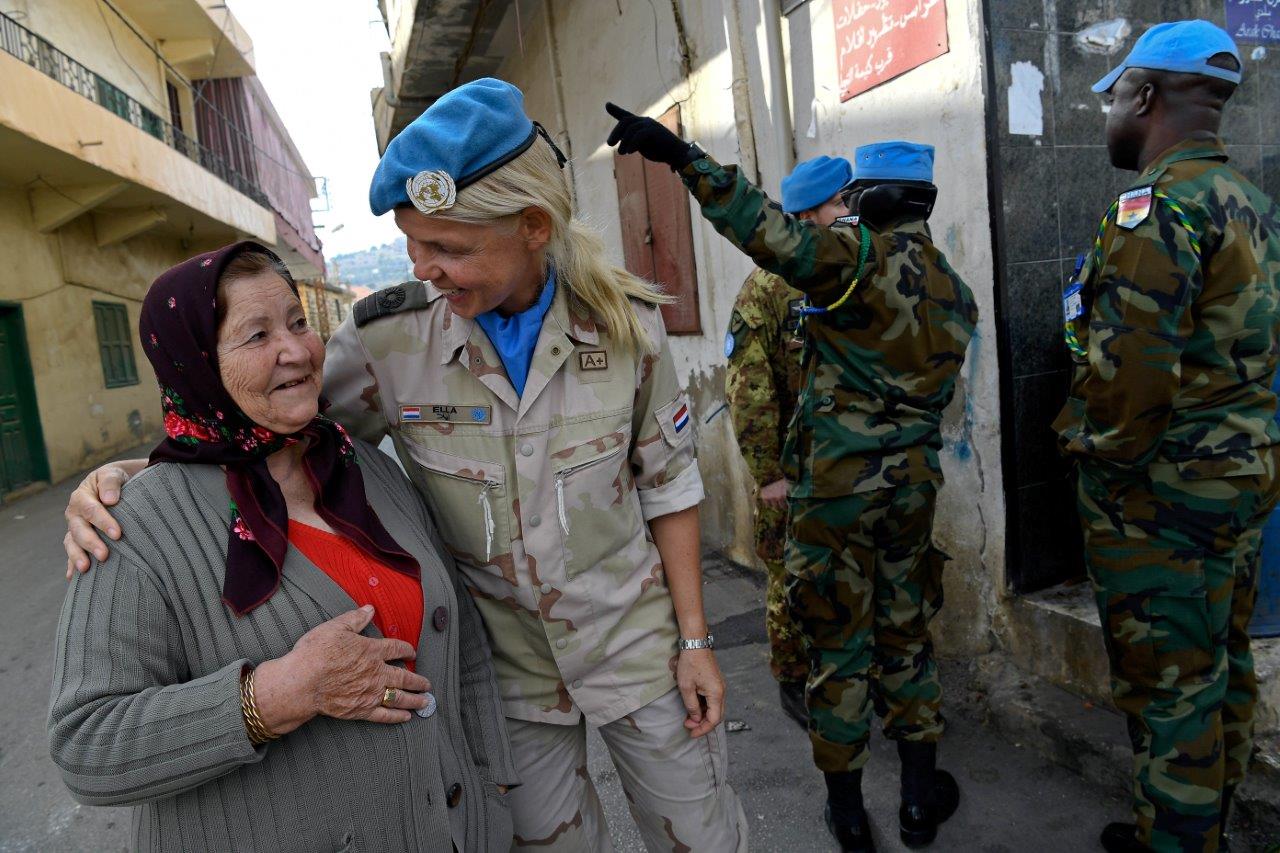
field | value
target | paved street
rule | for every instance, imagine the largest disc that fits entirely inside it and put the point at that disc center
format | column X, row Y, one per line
column 1014, row 800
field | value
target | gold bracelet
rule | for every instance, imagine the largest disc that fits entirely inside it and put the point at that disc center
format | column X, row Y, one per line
column 257, row 730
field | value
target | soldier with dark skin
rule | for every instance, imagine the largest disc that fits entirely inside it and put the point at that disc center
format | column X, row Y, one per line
column 886, row 329
column 762, row 384
column 1172, row 326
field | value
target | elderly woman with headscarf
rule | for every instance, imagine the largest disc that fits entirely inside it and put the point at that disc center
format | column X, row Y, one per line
column 280, row 656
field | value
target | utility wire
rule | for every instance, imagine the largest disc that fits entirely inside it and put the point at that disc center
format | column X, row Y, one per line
column 198, row 94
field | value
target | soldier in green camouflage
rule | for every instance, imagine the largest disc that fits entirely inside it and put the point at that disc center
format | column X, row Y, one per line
column 762, row 383
column 884, row 343
column 1172, row 325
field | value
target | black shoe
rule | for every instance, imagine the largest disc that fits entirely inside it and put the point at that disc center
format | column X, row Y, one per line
column 919, row 822
column 1122, row 838
column 852, row 836
column 792, row 695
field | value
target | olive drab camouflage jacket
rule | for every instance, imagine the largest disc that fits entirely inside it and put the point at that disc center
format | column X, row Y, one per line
column 542, row 498
column 762, row 381
column 1174, row 327
column 880, row 369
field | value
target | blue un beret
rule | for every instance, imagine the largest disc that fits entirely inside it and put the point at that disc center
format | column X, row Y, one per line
column 468, row 133
column 1182, row 46
column 894, row 161
column 813, row 182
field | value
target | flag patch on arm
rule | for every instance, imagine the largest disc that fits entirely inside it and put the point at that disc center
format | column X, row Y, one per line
column 680, row 419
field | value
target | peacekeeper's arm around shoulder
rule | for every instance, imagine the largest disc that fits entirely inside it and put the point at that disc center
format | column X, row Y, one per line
column 822, row 262
column 1139, row 325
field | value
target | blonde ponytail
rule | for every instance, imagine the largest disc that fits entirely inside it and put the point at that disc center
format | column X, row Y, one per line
column 535, row 179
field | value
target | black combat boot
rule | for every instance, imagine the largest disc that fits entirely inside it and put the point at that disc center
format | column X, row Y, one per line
column 792, row 695
column 1122, row 838
column 1224, row 838
column 929, row 795
column 845, row 815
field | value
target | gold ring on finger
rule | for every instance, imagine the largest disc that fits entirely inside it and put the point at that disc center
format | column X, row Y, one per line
column 389, row 697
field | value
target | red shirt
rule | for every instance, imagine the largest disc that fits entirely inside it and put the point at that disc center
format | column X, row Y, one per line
column 396, row 597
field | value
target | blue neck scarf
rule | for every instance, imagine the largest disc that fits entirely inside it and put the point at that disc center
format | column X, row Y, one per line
column 514, row 337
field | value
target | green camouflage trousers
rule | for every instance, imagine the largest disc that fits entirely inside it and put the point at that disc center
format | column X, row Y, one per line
column 864, row 582
column 1174, row 566
column 787, row 658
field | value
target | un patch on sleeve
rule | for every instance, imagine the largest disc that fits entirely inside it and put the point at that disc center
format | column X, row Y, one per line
column 729, row 344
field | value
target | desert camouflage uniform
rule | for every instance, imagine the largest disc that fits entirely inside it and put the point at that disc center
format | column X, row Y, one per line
column 544, row 499
column 878, row 373
column 762, row 382
column 1171, row 424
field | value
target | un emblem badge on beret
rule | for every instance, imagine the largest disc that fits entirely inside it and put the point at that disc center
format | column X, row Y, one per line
column 431, row 191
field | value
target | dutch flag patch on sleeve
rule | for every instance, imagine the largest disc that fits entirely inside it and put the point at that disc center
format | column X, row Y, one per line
column 680, row 418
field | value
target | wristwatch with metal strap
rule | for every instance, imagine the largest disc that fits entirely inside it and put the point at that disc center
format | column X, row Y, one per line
column 707, row 642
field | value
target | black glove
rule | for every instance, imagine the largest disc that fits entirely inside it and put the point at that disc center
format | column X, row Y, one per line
column 649, row 139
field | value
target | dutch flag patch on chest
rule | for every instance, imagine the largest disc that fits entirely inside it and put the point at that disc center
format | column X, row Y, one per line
column 410, row 413
column 680, row 419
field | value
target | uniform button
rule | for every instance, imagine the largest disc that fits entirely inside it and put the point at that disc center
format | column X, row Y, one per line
column 577, row 683
column 545, row 589
column 555, row 350
column 440, row 618
column 373, row 581
column 393, row 629
column 561, row 643
column 454, row 795
column 526, row 449
column 535, row 520
column 428, row 709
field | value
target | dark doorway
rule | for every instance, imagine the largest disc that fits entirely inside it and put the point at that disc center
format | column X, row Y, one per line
column 22, row 456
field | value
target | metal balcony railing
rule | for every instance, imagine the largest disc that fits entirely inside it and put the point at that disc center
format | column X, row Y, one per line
column 35, row 51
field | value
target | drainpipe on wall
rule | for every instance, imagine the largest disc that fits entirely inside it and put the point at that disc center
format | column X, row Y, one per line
column 563, row 139
column 741, row 93
column 783, row 135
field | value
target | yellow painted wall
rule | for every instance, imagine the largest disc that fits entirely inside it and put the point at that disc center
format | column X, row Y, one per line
column 85, row 30
column 56, row 278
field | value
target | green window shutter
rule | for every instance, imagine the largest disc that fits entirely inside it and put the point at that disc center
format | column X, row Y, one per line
column 115, row 344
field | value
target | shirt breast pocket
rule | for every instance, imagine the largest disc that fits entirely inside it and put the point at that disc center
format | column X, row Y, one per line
column 468, row 498
column 596, row 502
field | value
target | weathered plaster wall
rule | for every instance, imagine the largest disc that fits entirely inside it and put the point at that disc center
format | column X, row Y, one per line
column 613, row 51
column 56, row 278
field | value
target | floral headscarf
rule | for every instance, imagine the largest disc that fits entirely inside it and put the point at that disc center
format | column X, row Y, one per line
column 204, row 426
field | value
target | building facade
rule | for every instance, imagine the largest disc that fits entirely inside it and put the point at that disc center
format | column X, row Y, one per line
column 1000, row 87
column 132, row 136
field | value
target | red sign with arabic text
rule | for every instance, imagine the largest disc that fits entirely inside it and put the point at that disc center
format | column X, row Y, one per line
column 876, row 40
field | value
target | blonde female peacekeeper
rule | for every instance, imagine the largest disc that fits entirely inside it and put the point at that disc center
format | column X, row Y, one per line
column 529, row 392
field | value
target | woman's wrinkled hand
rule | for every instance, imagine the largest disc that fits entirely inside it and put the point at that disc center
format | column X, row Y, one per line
column 335, row 671
column 87, row 514
column 702, row 688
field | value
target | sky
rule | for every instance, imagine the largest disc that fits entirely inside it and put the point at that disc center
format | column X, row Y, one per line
column 318, row 59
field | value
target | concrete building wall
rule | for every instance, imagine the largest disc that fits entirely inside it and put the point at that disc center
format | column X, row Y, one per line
column 726, row 40
column 97, row 38
column 56, row 278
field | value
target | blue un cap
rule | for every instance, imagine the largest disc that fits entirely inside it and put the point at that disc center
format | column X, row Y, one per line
column 893, row 161
column 1181, row 46
column 814, row 182
column 470, row 132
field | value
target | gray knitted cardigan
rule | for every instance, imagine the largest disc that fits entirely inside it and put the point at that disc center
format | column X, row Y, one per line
column 146, row 700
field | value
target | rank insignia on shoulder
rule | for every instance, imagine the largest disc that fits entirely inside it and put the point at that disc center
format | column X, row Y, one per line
column 1133, row 207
